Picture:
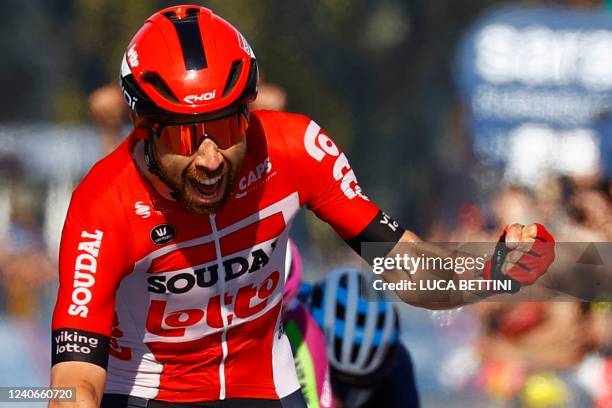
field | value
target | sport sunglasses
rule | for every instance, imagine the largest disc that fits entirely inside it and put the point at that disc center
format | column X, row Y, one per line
column 186, row 138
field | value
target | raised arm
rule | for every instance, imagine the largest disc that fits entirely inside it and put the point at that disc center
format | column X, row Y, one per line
column 329, row 187
column 529, row 251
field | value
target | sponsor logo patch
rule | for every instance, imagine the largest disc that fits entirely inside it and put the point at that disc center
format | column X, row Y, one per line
column 254, row 178
column 142, row 210
column 133, row 56
column 79, row 345
column 162, row 234
column 206, row 96
column 85, row 267
column 207, row 276
column 244, row 44
column 389, row 222
column 73, row 341
column 319, row 146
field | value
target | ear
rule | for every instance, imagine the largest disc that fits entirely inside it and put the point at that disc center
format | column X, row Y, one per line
column 137, row 121
column 141, row 130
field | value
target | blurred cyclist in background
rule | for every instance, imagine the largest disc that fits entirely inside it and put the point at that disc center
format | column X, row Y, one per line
column 370, row 367
column 306, row 338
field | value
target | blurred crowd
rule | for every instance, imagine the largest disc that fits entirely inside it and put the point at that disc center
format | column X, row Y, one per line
column 28, row 262
column 555, row 353
column 575, row 210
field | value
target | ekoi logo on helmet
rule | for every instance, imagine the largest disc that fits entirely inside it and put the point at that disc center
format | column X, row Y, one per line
column 206, row 96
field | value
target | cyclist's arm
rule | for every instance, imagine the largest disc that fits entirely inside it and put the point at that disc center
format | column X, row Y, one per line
column 331, row 190
column 455, row 298
column 412, row 298
column 92, row 261
column 87, row 380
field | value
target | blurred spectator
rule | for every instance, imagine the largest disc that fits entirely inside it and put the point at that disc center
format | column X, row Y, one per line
column 532, row 346
column 513, row 204
column 598, row 375
column 269, row 97
column 109, row 113
column 25, row 269
column 471, row 226
column 591, row 215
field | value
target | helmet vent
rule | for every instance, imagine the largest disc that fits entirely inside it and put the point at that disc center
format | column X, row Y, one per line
column 355, row 352
column 340, row 311
column 370, row 356
column 316, row 297
column 361, row 319
column 233, row 76
column 338, row 347
column 192, row 11
column 250, row 89
column 171, row 15
column 190, row 38
column 153, row 79
column 380, row 321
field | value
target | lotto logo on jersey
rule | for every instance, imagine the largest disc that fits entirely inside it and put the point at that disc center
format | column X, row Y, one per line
column 319, row 146
column 245, row 303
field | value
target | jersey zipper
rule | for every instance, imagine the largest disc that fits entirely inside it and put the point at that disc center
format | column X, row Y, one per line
column 216, row 239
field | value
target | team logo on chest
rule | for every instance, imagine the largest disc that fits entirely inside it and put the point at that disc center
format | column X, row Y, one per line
column 254, row 178
column 142, row 210
column 162, row 234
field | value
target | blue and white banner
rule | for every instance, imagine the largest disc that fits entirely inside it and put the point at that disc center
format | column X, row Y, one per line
column 538, row 86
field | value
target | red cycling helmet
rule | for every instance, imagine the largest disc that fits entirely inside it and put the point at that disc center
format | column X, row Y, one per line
column 186, row 61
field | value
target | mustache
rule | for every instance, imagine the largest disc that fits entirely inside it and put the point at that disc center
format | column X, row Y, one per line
column 202, row 174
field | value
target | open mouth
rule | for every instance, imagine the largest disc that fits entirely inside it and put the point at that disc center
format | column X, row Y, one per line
column 208, row 190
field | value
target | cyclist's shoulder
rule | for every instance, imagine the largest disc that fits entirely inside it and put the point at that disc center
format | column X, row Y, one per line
column 284, row 132
column 281, row 118
column 278, row 124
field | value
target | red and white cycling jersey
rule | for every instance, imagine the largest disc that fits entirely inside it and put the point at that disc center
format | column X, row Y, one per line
column 191, row 303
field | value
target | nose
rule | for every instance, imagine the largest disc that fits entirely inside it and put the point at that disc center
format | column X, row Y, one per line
column 208, row 157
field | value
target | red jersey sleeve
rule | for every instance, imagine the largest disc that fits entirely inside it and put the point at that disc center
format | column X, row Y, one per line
column 92, row 262
column 326, row 182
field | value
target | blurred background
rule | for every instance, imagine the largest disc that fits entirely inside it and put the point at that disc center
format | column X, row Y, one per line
column 457, row 116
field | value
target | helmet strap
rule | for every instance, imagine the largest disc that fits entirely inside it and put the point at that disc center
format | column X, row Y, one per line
column 153, row 167
column 149, row 157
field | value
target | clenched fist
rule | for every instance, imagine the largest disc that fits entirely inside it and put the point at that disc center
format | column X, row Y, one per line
column 523, row 254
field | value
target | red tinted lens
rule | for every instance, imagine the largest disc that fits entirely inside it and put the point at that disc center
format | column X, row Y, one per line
column 182, row 139
column 185, row 139
column 228, row 131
